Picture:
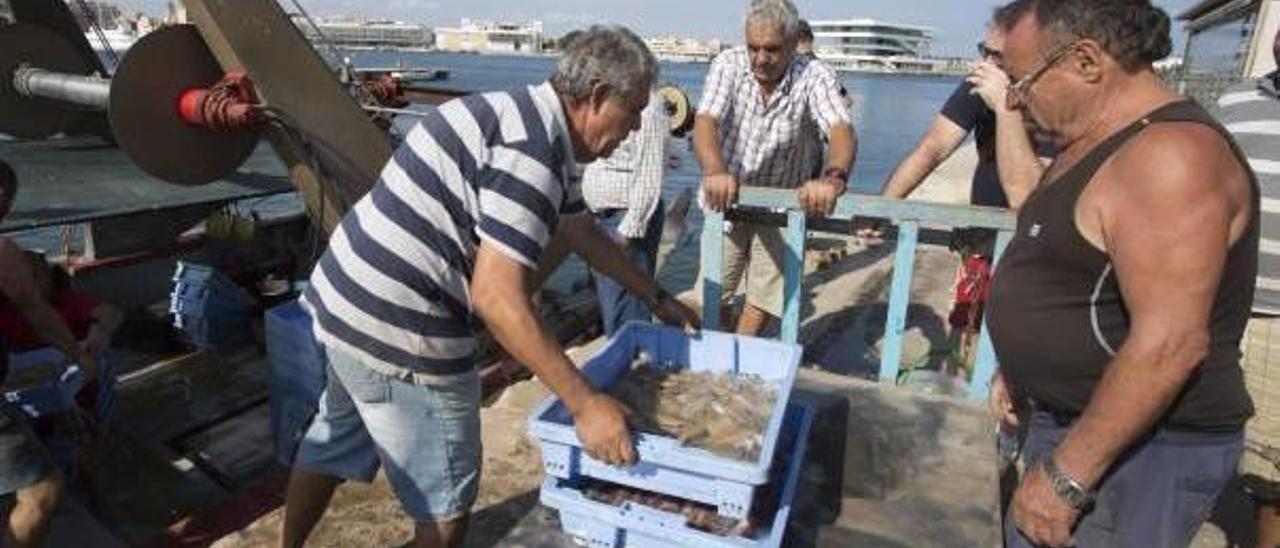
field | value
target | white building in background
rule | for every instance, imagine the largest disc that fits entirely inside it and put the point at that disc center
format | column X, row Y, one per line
column 684, row 50
column 491, row 37
column 359, row 33
column 874, row 46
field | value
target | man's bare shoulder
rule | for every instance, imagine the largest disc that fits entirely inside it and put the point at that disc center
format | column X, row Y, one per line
column 1177, row 160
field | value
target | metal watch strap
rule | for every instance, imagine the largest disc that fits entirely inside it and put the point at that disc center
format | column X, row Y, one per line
column 1072, row 492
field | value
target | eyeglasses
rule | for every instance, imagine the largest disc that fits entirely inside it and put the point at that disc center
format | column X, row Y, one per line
column 1016, row 94
column 985, row 52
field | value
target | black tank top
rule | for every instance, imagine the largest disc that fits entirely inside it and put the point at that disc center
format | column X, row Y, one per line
column 1057, row 316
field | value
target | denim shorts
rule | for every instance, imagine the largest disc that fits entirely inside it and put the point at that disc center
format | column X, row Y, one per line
column 427, row 438
column 23, row 459
column 1157, row 494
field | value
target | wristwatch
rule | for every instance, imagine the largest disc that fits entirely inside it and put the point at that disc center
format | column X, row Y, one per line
column 1072, row 492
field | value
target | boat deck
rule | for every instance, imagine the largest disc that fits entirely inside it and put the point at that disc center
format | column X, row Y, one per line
column 56, row 175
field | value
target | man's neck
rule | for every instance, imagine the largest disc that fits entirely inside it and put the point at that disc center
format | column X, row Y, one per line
column 1125, row 101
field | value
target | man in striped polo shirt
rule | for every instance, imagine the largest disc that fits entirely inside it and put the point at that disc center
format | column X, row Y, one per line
column 1251, row 111
column 453, row 230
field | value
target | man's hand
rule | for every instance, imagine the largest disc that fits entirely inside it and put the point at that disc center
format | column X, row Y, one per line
column 1003, row 408
column 991, row 84
column 720, row 191
column 673, row 312
column 1042, row 516
column 601, row 422
column 818, row 197
column 91, row 349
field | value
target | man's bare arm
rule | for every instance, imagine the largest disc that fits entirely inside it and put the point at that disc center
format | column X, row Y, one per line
column 18, row 284
column 1167, row 232
column 938, row 143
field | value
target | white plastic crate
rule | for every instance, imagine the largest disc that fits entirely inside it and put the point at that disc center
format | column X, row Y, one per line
column 665, row 465
column 600, row 525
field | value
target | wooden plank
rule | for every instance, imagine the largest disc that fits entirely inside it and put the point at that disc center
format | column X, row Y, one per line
column 334, row 152
column 862, row 205
column 985, row 368
column 793, row 276
column 899, row 294
column 712, row 269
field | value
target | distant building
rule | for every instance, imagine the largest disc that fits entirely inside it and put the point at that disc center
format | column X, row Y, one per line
column 1228, row 40
column 684, row 50
column 491, row 37
column 355, row 33
column 874, row 46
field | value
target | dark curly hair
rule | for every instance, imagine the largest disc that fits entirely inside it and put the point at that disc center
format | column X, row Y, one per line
column 1134, row 32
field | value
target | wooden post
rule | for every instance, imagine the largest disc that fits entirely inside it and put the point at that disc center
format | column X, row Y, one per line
column 333, row 151
column 793, row 276
column 985, row 368
column 712, row 269
column 904, row 264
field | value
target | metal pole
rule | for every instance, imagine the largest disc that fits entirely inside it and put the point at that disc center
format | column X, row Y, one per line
column 85, row 91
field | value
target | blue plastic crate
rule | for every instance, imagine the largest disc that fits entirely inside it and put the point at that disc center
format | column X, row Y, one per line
column 600, row 525
column 59, row 396
column 296, row 376
column 664, row 464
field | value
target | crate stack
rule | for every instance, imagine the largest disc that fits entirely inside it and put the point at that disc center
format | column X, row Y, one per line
column 211, row 311
column 665, row 466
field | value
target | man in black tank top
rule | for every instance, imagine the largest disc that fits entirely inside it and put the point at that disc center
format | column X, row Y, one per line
column 1118, row 309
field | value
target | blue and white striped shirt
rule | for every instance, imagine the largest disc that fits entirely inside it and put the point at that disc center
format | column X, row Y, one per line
column 393, row 288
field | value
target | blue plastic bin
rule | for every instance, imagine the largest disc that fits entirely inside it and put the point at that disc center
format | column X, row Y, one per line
column 296, row 376
column 600, row 525
column 665, row 465
column 58, row 397
column 210, row 309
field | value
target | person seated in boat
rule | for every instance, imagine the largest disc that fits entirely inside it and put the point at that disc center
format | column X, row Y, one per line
column 90, row 321
column 453, row 232
column 761, row 104
column 1118, row 309
column 26, row 468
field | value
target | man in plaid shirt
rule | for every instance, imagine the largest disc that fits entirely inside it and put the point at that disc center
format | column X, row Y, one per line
column 759, row 106
column 624, row 192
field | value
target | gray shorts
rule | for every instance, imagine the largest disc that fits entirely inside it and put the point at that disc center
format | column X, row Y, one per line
column 23, row 459
column 1156, row 495
column 427, row 438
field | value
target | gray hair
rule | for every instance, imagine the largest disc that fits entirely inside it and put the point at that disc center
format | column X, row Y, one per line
column 780, row 12
column 604, row 54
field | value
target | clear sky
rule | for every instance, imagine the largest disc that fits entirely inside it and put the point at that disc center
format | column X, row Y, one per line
column 959, row 23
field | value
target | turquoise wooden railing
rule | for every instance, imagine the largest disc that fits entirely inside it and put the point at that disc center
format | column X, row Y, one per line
column 907, row 215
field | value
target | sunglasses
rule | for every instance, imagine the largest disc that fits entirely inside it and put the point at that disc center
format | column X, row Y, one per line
column 1016, row 95
column 985, row 52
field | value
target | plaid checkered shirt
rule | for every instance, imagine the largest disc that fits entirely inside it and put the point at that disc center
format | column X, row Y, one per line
column 772, row 144
column 631, row 177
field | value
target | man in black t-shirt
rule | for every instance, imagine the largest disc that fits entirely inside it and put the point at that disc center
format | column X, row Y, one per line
column 1007, row 162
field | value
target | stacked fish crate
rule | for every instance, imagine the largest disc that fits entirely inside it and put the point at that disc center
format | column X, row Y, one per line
column 212, row 312
column 670, row 474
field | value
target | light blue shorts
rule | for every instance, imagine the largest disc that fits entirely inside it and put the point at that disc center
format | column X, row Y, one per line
column 426, row 437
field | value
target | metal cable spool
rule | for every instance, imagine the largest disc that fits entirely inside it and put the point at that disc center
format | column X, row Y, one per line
column 678, row 108
column 43, row 86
